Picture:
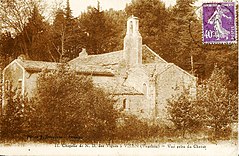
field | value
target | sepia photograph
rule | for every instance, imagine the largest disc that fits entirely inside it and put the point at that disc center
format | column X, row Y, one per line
column 119, row 77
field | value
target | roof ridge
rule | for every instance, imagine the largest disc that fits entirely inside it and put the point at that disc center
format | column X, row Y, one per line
column 106, row 53
column 37, row 61
column 155, row 54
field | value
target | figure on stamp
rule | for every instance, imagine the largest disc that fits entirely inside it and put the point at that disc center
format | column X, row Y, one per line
column 216, row 20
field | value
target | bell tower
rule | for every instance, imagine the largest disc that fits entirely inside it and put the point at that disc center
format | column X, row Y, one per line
column 133, row 43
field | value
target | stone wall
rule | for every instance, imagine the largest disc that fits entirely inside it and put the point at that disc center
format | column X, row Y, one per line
column 31, row 84
column 171, row 83
column 134, row 104
column 13, row 79
column 137, row 78
column 102, row 79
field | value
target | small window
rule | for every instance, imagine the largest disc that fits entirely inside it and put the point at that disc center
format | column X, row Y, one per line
column 131, row 26
column 145, row 89
column 193, row 91
column 7, row 85
column 19, row 85
column 124, row 104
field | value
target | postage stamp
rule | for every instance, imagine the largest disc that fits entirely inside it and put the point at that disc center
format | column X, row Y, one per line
column 219, row 23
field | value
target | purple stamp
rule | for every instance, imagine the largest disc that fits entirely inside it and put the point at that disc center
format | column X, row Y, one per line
column 219, row 22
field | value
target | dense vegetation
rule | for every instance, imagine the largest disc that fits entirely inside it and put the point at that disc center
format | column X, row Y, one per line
column 212, row 111
column 174, row 33
column 71, row 108
column 74, row 110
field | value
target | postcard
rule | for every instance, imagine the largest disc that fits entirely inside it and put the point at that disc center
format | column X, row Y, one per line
column 110, row 77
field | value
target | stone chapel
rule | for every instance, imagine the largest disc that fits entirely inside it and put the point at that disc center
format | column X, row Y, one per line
column 139, row 80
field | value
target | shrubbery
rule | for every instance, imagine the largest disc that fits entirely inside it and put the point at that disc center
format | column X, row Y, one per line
column 72, row 111
column 131, row 128
column 67, row 105
column 185, row 114
column 15, row 120
column 214, row 109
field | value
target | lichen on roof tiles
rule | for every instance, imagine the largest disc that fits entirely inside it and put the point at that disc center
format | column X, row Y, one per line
column 116, row 57
column 92, row 69
column 38, row 65
column 101, row 59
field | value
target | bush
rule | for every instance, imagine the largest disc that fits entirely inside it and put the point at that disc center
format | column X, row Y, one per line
column 219, row 103
column 69, row 106
column 131, row 128
column 15, row 118
column 214, row 109
column 184, row 113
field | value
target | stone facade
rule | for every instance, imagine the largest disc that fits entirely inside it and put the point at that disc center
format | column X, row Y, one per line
column 137, row 78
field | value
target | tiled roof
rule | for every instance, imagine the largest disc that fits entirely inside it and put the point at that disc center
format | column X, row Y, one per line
column 38, row 66
column 93, row 69
column 111, row 58
column 114, row 58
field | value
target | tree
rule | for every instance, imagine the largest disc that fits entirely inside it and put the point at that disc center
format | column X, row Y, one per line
column 28, row 29
column 72, row 35
column 181, row 43
column 184, row 113
column 100, row 31
column 33, row 41
column 14, row 14
column 58, row 34
column 116, row 21
column 225, row 56
column 219, row 103
column 72, row 107
column 68, row 11
column 67, row 36
column 7, row 48
column 15, row 120
column 154, row 19
column 215, row 107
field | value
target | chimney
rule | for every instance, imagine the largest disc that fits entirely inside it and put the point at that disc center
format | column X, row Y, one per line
column 133, row 43
column 83, row 53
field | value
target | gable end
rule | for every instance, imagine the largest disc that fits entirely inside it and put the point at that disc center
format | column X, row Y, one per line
column 149, row 56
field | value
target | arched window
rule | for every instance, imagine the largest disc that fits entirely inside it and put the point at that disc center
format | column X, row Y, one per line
column 124, row 104
column 145, row 89
column 7, row 85
column 19, row 85
column 131, row 26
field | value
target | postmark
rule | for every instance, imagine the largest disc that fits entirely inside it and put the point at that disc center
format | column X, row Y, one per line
column 219, row 23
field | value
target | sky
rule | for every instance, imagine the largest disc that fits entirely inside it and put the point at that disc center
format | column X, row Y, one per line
column 79, row 6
